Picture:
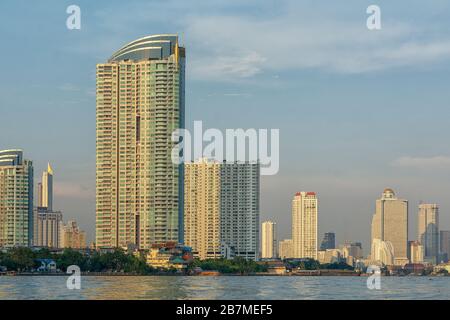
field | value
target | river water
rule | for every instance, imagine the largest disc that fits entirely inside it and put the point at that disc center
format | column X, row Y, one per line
column 224, row 287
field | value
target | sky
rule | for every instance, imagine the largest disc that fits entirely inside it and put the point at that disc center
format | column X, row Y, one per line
column 358, row 110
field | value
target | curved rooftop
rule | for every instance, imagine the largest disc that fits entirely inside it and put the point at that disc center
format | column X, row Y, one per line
column 11, row 157
column 150, row 47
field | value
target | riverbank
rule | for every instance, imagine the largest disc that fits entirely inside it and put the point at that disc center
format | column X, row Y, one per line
column 321, row 273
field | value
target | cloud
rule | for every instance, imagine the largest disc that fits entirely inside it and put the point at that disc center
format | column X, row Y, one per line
column 438, row 162
column 245, row 47
column 227, row 41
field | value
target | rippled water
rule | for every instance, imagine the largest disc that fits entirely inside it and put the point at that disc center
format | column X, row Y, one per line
column 230, row 287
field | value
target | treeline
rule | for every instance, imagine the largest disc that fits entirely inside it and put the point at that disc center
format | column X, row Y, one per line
column 237, row 265
column 311, row 264
column 26, row 260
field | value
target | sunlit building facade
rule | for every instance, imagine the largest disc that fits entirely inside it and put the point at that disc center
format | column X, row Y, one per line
column 285, row 249
column 202, row 208
column 269, row 240
column 140, row 103
column 304, row 225
column 72, row 236
column 390, row 224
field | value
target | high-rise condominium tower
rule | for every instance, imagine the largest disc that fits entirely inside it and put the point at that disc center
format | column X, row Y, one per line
column 16, row 199
column 47, row 223
column 390, row 224
column 239, row 209
column 428, row 231
column 221, row 215
column 140, row 102
column 202, row 208
column 304, row 225
column 269, row 240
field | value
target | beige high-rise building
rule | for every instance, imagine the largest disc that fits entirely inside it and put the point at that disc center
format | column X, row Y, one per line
column 72, row 236
column 16, row 199
column 45, row 189
column 390, row 224
column 202, row 208
column 428, row 231
column 304, row 225
column 269, row 240
column 285, row 249
column 140, row 103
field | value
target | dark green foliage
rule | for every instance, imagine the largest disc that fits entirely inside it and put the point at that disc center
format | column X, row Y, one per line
column 25, row 259
column 237, row 265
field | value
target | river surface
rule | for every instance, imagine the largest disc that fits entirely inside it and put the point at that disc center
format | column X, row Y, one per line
column 225, row 287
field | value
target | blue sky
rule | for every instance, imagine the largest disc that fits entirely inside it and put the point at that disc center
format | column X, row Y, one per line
column 357, row 110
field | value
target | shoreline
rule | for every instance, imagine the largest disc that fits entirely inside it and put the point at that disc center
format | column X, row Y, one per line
column 113, row 274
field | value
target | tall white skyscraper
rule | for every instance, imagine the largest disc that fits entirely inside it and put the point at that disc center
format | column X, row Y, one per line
column 390, row 224
column 304, row 225
column 269, row 240
column 45, row 189
column 428, row 231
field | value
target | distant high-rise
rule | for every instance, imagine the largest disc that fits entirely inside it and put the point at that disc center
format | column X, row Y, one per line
column 353, row 249
column 45, row 189
column 202, row 208
column 72, row 236
column 390, row 224
column 47, row 228
column 416, row 252
column 428, row 231
column 16, row 199
column 269, row 240
column 329, row 241
column 47, row 223
column 221, row 214
column 140, row 103
column 285, row 249
column 304, row 225
column 444, row 245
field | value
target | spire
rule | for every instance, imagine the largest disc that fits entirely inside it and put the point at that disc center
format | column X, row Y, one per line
column 49, row 168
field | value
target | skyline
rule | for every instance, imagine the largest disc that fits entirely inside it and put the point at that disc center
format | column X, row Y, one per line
column 390, row 142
